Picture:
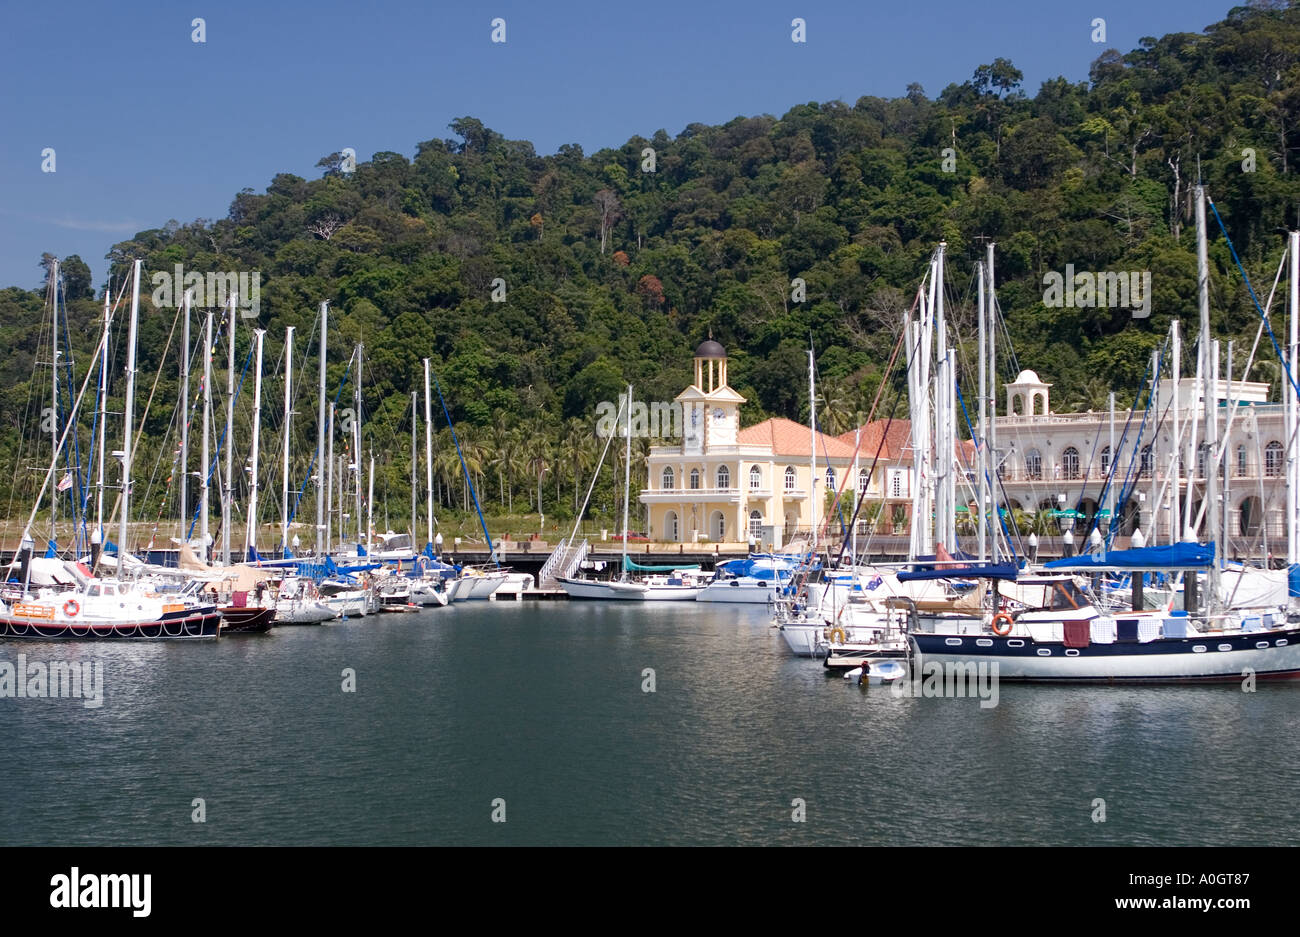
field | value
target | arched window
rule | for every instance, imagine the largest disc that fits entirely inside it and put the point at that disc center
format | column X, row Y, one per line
column 1147, row 461
column 1070, row 462
column 1202, row 458
column 755, row 477
column 670, row 526
column 724, row 477
column 1033, row 464
column 695, row 479
column 756, row 524
column 667, row 479
column 896, row 485
column 864, row 480
column 1105, row 461
column 830, row 478
column 1273, row 459
column 719, row 527
column 789, row 478
column 1241, row 460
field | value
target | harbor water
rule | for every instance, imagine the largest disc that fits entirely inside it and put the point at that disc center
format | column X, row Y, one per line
column 606, row 724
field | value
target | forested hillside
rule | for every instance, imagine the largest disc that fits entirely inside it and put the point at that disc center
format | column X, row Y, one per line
column 612, row 273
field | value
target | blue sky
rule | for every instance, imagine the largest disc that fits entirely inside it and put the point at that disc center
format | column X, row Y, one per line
column 148, row 125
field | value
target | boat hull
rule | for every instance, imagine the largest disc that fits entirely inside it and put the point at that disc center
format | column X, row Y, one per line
column 246, row 620
column 194, row 625
column 1201, row 658
column 628, row 591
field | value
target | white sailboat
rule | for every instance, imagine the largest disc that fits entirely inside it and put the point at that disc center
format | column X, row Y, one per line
column 669, row 585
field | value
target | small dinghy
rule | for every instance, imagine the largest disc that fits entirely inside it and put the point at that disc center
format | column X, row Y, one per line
column 876, row 673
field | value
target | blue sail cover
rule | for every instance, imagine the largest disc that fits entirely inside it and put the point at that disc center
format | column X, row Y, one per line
column 1293, row 581
column 1175, row 556
column 972, row 571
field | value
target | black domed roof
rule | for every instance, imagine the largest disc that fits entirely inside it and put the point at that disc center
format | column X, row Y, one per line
column 710, row 349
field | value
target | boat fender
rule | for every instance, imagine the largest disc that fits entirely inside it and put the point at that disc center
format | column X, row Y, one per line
column 71, row 608
column 1002, row 617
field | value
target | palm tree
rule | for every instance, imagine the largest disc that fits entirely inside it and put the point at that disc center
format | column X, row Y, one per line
column 576, row 450
column 835, row 408
column 472, row 453
column 446, row 467
column 1092, row 394
column 1044, row 524
column 499, row 459
column 538, row 455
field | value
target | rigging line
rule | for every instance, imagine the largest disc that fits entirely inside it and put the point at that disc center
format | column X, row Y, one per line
column 1001, row 520
column 144, row 416
column 884, row 436
column 1125, row 488
column 1286, row 366
column 1133, row 474
column 216, row 456
column 315, row 455
column 465, row 468
column 884, row 380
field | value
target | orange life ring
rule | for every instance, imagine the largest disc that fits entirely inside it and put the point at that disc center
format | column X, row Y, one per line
column 70, row 608
column 1002, row 616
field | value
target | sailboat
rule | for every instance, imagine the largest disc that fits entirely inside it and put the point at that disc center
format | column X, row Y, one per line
column 63, row 600
column 665, row 584
column 1069, row 639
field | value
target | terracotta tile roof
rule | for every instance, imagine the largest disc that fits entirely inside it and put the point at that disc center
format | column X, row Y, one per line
column 898, row 441
column 788, row 438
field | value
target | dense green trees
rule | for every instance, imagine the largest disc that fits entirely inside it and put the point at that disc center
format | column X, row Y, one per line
column 609, row 273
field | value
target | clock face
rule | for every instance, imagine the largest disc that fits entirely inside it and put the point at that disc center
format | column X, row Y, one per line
column 695, row 416
column 719, row 414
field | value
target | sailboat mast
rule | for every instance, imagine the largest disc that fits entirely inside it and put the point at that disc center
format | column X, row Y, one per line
column 206, row 453
column 1209, row 389
column 288, row 414
column 128, row 418
column 322, row 539
column 1289, row 395
column 370, row 506
column 945, row 451
column 103, row 413
column 415, row 458
column 428, row 448
column 991, row 311
column 183, row 495
column 329, row 486
column 812, row 445
column 1227, row 473
column 1174, row 480
column 54, row 389
column 627, row 475
column 250, row 527
column 356, row 434
column 983, row 467
column 228, row 495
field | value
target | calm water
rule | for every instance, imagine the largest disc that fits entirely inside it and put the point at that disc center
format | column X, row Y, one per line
column 542, row 705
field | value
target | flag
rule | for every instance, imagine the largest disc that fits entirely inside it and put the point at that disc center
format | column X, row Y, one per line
column 875, row 583
column 65, row 483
